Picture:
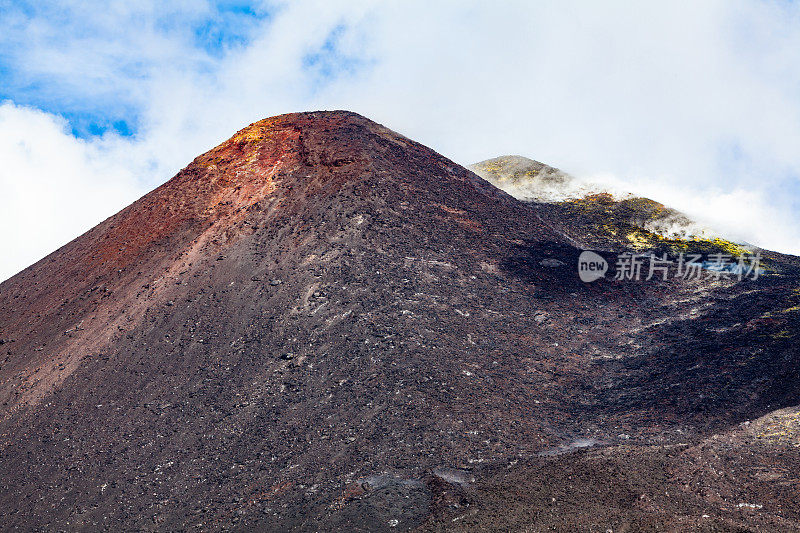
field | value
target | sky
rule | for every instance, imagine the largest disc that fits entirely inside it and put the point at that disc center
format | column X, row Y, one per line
column 695, row 104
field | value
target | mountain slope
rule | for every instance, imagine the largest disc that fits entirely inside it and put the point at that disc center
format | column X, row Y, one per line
column 323, row 325
column 593, row 215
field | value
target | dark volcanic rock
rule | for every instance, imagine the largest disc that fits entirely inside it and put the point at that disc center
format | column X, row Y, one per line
column 323, row 325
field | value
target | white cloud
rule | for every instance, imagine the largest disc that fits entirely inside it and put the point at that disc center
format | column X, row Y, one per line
column 55, row 186
column 681, row 100
column 740, row 214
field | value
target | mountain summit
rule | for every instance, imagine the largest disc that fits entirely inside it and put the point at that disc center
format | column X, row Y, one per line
column 323, row 325
column 306, row 183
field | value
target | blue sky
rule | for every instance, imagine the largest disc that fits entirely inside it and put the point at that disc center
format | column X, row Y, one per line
column 207, row 33
column 96, row 105
column 696, row 104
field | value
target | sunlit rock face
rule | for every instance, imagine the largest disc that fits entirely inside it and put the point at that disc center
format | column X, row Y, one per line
column 530, row 180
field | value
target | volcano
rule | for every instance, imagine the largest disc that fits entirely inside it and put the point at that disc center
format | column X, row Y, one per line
column 322, row 325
